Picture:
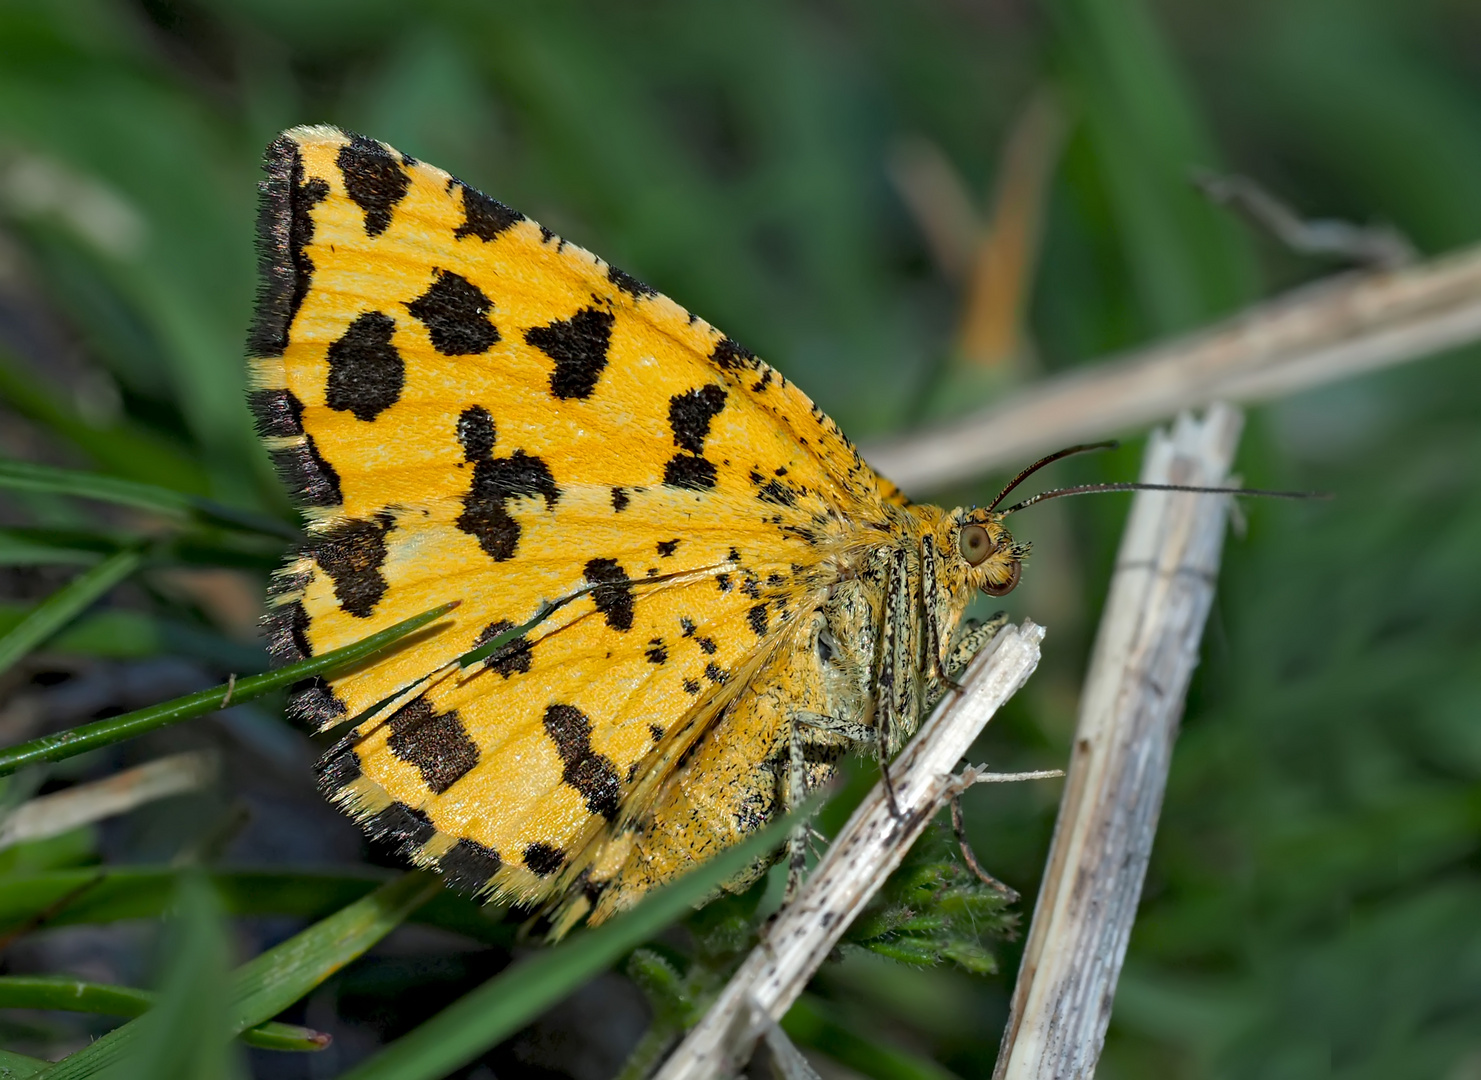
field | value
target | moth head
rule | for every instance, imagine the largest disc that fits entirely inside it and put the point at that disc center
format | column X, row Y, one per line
column 994, row 560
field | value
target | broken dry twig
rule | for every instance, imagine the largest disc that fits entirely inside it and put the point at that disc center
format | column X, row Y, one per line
column 869, row 847
column 1337, row 328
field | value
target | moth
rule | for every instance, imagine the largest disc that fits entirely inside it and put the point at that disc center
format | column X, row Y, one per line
column 684, row 596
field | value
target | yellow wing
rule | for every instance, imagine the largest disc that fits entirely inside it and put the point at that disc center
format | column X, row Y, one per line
column 472, row 409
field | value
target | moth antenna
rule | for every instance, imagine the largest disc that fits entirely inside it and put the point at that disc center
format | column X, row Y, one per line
column 1109, row 444
column 1091, row 489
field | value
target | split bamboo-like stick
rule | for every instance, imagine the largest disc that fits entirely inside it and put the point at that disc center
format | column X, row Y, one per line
column 1130, row 709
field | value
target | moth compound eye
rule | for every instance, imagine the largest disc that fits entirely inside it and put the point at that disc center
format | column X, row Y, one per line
column 1006, row 587
column 974, row 544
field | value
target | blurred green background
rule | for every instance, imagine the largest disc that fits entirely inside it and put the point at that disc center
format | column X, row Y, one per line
column 815, row 178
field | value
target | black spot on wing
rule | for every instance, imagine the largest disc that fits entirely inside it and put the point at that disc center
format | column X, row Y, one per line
column 689, row 471
column 469, row 865
column 352, row 553
column 667, row 547
column 729, row 355
column 591, row 774
column 656, row 731
column 613, row 594
column 690, row 414
column 484, row 217
column 403, row 826
column 339, row 767
column 285, row 228
column 619, row 500
column 578, row 346
column 456, row 314
column 513, row 657
column 313, row 703
column 279, row 413
column 286, row 583
column 543, row 859
column 657, row 652
column 757, row 618
column 691, row 686
column 776, row 493
column 707, row 645
column 476, row 432
column 375, row 179
column 436, row 743
column 495, row 482
column 366, row 373
column 307, row 474
column 716, row 674
column 629, row 284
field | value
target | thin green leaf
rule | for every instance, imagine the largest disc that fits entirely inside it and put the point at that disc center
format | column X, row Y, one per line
column 184, row 1036
column 115, row 633
column 66, row 994
column 269, row 983
column 511, row 999
column 24, row 547
column 64, row 605
column 78, row 740
column 99, row 896
column 17, row 1066
column 196, row 547
column 23, row 476
column 274, row 980
column 121, row 448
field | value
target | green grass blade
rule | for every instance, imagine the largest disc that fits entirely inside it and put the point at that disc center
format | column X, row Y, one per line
column 23, row 476
column 64, row 605
column 269, row 983
column 17, row 1066
column 122, row 448
column 67, row 994
column 94, row 896
column 78, row 740
column 184, row 1035
column 513, row 998
column 274, row 980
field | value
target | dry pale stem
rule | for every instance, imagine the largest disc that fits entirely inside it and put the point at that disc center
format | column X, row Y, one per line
column 52, row 815
column 1144, row 656
column 1337, row 328
column 859, row 859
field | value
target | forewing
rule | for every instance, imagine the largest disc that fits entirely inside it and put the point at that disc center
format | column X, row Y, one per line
column 472, row 409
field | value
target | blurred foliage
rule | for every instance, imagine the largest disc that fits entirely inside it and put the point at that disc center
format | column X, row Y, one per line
column 1312, row 906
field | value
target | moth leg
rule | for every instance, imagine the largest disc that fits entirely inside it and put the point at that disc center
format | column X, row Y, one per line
column 973, row 637
column 851, row 730
column 895, row 686
column 937, row 668
column 972, row 640
column 795, row 790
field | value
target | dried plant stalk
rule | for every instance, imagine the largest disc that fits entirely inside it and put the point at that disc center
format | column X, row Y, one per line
column 1337, row 328
column 1144, row 656
column 52, row 815
column 871, row 845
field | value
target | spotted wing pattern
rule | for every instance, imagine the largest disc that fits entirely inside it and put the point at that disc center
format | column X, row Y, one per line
column 471, row 409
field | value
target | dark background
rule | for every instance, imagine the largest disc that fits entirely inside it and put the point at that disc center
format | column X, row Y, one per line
column 1314, row 900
